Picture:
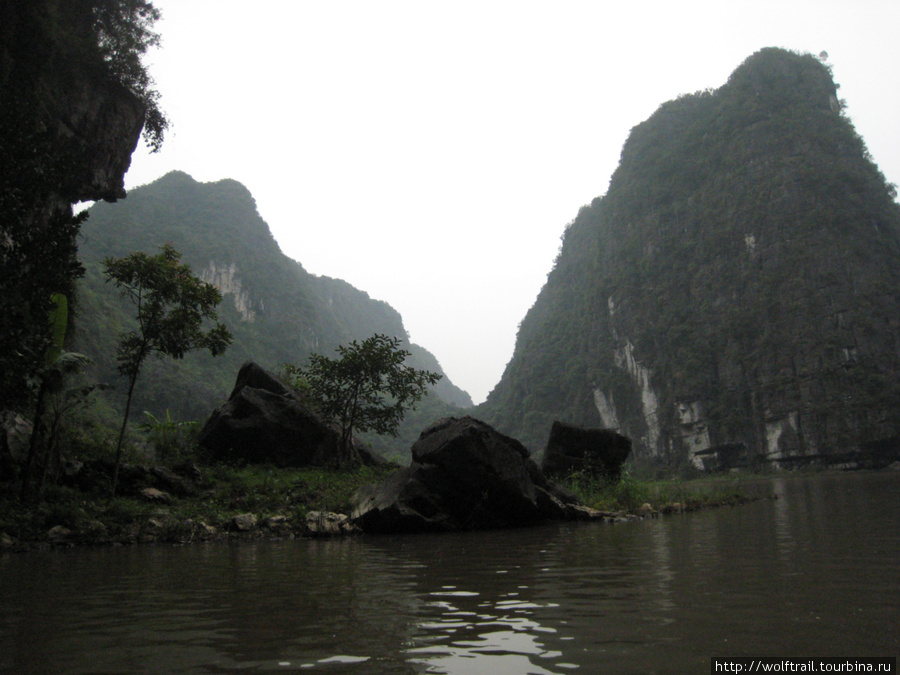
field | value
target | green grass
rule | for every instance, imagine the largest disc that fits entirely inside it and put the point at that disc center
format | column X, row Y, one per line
column 225, row 491
column 265, row 491
column 630, row 492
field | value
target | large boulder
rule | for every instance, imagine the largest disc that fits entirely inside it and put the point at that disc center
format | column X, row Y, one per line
column 464, row 475
column 571, row 449
column 264, row 422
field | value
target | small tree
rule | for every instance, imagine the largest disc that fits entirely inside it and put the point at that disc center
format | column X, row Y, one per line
column 171, row 306
column 368, row 388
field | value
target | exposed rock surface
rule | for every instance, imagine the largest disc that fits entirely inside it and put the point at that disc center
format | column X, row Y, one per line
column 598, row 452
column 244, row 522
column 264, row 422
column 464, row 475
column 327, row 523
column 94, row 122
column 733, row 297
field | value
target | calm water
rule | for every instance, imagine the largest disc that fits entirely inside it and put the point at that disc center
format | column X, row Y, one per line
column 815, row 572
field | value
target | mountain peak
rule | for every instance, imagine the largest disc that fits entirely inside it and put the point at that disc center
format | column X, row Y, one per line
column 278, row 312
column 737, row 287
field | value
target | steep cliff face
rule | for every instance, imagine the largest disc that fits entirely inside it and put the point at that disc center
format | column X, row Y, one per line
column 59, row 109
column 277, row 311
column 225, row 277
column 67, row 131
column 737, row 288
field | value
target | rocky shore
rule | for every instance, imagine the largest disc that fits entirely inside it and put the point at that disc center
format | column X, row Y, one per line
column 149, row 520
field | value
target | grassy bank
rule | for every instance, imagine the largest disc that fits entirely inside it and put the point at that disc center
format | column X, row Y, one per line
column 279, row 501
column 631, row 494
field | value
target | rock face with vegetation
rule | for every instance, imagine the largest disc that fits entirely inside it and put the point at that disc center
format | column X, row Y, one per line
column 737, row 287
column 70, row 117
column 464, row 476
column 277, row 312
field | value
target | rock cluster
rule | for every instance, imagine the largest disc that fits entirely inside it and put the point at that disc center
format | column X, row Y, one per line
column 464, row 475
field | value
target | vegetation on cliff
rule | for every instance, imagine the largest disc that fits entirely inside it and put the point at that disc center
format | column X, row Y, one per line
column 278, row 312
column 736, row 286
column 74, row 98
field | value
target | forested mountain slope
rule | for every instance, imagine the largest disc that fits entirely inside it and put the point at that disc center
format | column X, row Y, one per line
column 277, row 311
column 735, row 293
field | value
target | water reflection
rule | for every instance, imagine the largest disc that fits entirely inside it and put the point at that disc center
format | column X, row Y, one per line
column 501, row 635
column 816, row 571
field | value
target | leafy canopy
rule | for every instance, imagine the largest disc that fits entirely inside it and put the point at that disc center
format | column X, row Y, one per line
column 171, row 305
column 368, row 387
column 123, row 31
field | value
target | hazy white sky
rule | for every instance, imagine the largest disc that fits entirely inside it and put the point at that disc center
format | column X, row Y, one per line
column 431, row 153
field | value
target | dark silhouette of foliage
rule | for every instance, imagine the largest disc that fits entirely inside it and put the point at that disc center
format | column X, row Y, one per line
column 123, row 31
column 45, row 46
column 367, row 388
column 171, row 306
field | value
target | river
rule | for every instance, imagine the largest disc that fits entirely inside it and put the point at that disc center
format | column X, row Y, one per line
column 813, row 572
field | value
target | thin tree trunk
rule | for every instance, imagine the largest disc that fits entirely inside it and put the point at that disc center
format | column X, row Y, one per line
column 33, row 442
column 115, row 478
column 51, row 454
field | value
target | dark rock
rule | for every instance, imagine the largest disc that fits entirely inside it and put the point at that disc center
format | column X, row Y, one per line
column 95, row 476
column 598, row 452
column 171, row 482
column 723, row 457
column 263, row 422
column 189, row 470
column 15, row 433
column 464, row 475
column 133, row 478
column 258, row 426
column 59, row 534
column 256, row 377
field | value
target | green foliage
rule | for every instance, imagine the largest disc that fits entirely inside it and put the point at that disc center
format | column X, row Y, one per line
column 59, row 366
column 367, row 388
column 54, row 50
column 745, row 261
column 123, row 32
column 285, row 312
column 628, row 493
column 173, row 441
column 268, row 490
column 171, row 306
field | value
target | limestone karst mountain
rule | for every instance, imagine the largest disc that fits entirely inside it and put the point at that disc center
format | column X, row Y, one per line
column 277, row 311
column 735, row 295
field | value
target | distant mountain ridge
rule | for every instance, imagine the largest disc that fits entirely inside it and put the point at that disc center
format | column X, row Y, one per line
column 735, row 296
column 277, row 311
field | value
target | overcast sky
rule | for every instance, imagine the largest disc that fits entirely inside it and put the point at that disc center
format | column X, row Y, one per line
column 432, row 153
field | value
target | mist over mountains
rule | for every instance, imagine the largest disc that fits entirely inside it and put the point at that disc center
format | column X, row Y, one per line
column 736, row 291
column 278, row 312
column 733, row 296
